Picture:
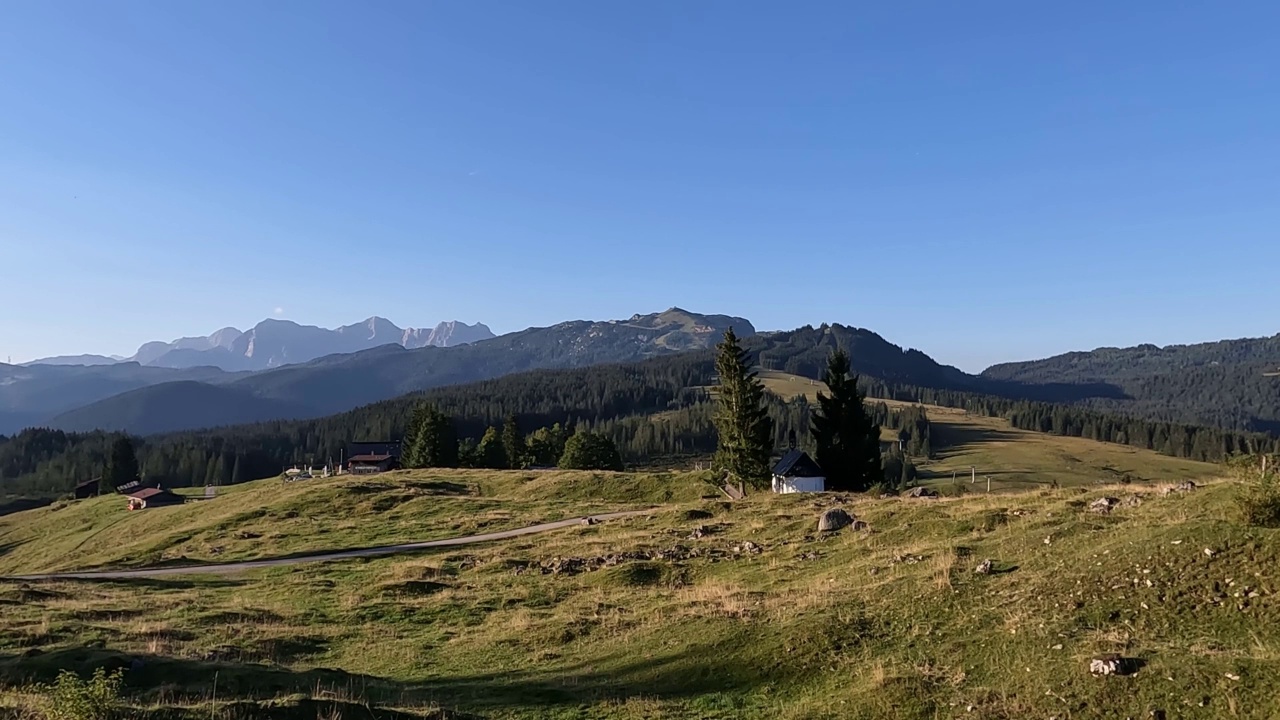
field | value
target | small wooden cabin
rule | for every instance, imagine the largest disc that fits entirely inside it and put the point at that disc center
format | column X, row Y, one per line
column 87, row 489
column 370, row 464
column 153, row 497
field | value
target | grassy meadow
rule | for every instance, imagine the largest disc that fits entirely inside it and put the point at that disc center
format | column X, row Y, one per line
column 1016, row 459
column 667, row 615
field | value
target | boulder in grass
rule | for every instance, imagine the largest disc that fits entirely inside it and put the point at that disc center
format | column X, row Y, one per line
column 833, row 520
column 1103, row 505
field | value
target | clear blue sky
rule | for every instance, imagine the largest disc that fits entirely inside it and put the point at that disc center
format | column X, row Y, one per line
column 982, row 181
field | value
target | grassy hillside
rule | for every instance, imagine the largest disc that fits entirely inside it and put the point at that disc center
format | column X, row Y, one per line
column 1018, row 459
column 660, row 621
column 271, row 517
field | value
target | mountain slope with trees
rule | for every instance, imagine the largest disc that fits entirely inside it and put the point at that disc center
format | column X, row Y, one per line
column 1229, row 384
column 340, row 382
column 651, row 410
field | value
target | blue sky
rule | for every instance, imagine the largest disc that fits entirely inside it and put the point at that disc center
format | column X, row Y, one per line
column 982, row 181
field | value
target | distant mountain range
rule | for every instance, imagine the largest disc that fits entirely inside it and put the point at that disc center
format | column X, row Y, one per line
column 276, row 343
column 153, row 398
column 281, row 370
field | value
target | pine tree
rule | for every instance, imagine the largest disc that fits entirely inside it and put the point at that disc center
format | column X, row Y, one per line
column 743, row 425
column 413, row 452
column 846, row 438
column 468, row 453
column 491, row 453
column 122, row 467
column 513, row 443
column 237, row 474
column 437, row 440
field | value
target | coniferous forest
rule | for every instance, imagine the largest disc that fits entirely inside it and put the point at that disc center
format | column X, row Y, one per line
column 654, row 411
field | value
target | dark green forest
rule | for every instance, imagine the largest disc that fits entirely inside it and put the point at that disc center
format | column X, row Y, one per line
column 655, row 411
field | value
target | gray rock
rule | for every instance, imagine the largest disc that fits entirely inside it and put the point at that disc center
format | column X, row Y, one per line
column 834, row 519
column 984, row 567
column 1103, row 505
column 859, row 525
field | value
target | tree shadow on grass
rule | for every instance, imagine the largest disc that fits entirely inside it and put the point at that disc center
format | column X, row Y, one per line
column 678, row 675
column 16, row 505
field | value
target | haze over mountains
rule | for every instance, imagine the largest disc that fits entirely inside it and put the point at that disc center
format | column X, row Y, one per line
column 275, row 343
column 280, row 370
column 154, row 398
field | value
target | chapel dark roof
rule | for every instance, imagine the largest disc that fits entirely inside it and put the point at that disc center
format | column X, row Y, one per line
column 797, row 463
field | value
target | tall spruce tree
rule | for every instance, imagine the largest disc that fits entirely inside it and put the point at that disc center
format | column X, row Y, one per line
column 846, row 438
column 122, row 466
column 411, row 455
column 513, row 443
column 430, row 439
column 743, row 426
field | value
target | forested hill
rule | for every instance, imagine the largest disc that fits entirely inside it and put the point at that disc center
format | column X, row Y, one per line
column 1231, row 383
column 654, row 409
column 617, row 399
column 341, row 382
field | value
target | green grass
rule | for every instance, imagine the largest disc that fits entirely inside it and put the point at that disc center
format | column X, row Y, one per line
column 270, row 517
column 886, row 623
column 1017, row 459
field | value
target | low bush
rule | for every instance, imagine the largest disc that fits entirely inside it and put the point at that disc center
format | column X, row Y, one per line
column 71, row 697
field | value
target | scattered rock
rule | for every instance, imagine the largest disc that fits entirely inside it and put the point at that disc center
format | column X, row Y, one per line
column 1103, row 505
column 1230, row 676
column 921, row 492
column 590, row 521
column 1182, row 487
column 833, row 520
column 748, row 548
column 699, row 532
column 1048, row 539
column 984, row 567
column 1208, row 552
column 859, row 526
column 1132, row 501
column 1110, row 664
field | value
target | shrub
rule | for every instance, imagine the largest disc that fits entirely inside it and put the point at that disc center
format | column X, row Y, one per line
column 1259, row 498
column 72, row 698
column 589, row 451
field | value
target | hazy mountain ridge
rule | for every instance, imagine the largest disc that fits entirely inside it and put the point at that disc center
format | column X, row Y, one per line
column 1229, row 384
column 337, row 383
column 84, row 360
column 275, row 343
